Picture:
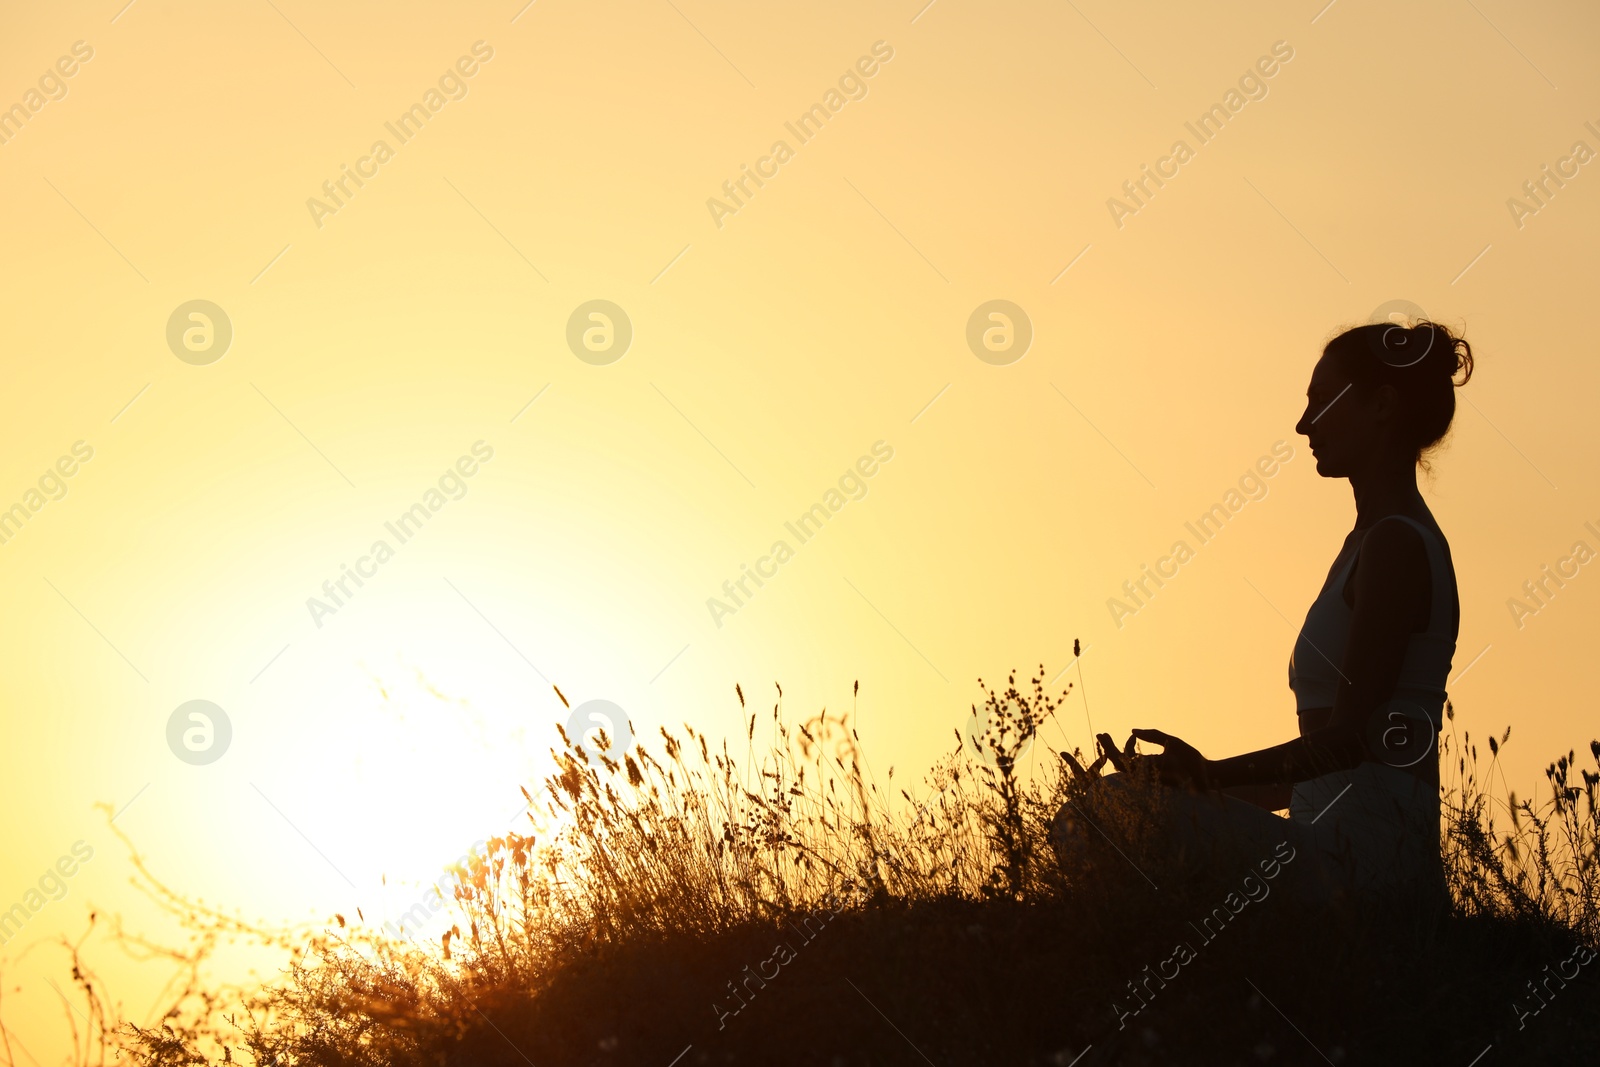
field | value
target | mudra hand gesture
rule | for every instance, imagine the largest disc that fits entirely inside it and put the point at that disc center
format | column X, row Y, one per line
column 1178, row 763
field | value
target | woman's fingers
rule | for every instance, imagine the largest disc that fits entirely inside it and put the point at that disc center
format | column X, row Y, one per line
column 1108, row 750
column 1154, row 736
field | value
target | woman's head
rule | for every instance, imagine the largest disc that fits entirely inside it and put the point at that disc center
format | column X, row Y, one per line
column 1382, row 391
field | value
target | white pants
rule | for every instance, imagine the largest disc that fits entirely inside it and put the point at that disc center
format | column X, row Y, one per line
column 1369, row 829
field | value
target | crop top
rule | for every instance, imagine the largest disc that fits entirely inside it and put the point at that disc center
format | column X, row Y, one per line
column 1320, row 647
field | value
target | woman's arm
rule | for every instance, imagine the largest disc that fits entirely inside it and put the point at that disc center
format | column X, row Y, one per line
column 1267, row 797
column 1392, row 588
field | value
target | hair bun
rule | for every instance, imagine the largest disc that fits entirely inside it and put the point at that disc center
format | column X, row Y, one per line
column 1420, row 359
column 1442, row 349
column 1429, row 346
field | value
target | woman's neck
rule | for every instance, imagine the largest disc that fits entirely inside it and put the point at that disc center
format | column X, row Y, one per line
column 1388, row 488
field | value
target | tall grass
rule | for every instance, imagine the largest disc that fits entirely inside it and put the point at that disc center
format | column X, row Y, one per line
column 1544, row 867
column 669, row 860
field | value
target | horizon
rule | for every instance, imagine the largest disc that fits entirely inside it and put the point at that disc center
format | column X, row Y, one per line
column 582, row 348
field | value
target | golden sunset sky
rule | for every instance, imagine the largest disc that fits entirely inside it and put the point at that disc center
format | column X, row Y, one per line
column 811, row 335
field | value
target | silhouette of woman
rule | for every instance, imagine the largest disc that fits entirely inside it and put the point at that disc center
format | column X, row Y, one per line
column 1368, row 670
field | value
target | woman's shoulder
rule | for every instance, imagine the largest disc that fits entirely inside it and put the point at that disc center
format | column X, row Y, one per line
column 1414, row 544
column 1405, row 529
column 1396, row 544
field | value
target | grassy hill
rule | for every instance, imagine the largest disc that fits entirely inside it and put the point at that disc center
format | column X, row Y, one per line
column 788, row 908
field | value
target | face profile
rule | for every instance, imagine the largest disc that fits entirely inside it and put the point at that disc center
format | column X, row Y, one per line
column 1337, row 426
column 1382, row 396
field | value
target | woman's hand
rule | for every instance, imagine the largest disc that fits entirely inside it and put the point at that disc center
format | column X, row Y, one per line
column 1178, row 763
